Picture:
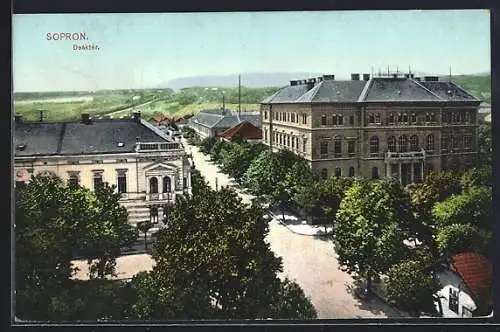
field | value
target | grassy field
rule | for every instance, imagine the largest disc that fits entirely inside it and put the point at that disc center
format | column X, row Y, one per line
column 55, row 111
column 174, row 108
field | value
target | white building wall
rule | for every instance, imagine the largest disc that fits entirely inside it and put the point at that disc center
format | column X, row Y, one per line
column 450, row 280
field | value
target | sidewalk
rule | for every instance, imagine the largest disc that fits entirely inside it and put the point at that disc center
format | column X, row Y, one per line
column 298, row 226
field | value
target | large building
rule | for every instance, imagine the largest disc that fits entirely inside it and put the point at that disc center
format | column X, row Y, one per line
column 212, row 123
column 387, row 126
column 147, row 167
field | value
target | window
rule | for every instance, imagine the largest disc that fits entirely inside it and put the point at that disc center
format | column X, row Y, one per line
column 374, row 144
column 153, row 185
column 184, row 183
column 432, row 117
column 265, row 115
column 351, row 120
column 377, row 118
column 403, row 143
column 324, row 174
column 304, row 118
column 338, row 172
column 293, row 142
column 73, row 180
column 287, row 140
column 413, row 118
column 323, row 148
column 97, row 179
column 453, row 300
column 153, row 214
column 351, row 147
column 323, row 120
column 444, row 143
column 427, row 117
column 467, row 117
column 351, row 171
column 293, row 117
column 372, row 118
column 414, row 143
column 430, row 143
column 400, row 117
column 467, row 142
column 304, row 141
column 456, row 143
column 340, row 119
column 391, row 118
column 405, row 118
column 334, row 120
column 122, row 182
column 374, row 173
column 281, row 139
column 391, row 144
column 166, row 184
column 453, row 117
column 337, row 148
column 265, row 135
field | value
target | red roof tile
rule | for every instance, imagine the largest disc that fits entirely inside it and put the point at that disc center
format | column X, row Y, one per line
column 475, row 270
column 245, row 129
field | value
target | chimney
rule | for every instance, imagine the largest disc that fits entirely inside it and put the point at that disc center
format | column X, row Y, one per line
column 18, row 119
column 86, row 118
column 355, row 77
column 136, row 116
column 366, row 77
column 328, row 77
column 293, row 83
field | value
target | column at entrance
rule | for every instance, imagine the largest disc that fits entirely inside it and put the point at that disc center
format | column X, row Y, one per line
column 412, row 170
column 422, row 171
column 400, row 173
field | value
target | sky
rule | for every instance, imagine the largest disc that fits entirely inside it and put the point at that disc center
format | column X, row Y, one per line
column 148, row 49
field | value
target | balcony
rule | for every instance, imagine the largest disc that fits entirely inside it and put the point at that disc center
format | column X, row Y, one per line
column 412, row 156
column 160, row 196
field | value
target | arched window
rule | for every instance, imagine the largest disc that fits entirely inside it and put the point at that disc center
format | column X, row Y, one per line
column 414, row 143
column 338, row 172
column 153, row 185
column 377, row 118
column 403, row 143
column 374, row 144
column 400, row 117
column 405, row 118
column 413, row 118
column 324, row 173
column 166, row 184
column 433, row 117
column 467, row 117
column 351, row 171
column 430, row 143
column 374, row 173
column 391, row 144
column 391, row 118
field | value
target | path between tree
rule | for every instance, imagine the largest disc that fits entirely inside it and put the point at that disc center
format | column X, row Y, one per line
column 308, row 260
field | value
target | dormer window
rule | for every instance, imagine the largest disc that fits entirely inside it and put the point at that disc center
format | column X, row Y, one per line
column 21, row 147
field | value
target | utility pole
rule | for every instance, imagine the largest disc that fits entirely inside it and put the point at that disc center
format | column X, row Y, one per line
column 239, row 94
column 450, row 73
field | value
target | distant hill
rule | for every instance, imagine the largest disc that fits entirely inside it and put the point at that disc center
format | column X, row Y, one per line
column 251, row 80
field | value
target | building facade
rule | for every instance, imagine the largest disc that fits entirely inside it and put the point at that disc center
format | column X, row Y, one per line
column 148, row 168
column 395, row 126
column 212, row 123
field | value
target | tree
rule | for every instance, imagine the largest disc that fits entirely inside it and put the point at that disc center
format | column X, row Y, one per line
column 218, row 149
column 472, row 207
column 476, row 177
column 371, row 225
column 412, row 288
column 484, row 142
column 322, row 198
column 144, row 227
column 292, row 303
column 212, row 262
column 53, row 223
column 459, row 238
column 207, row 143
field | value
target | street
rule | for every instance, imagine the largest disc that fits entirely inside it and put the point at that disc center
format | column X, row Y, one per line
column 308, row 260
